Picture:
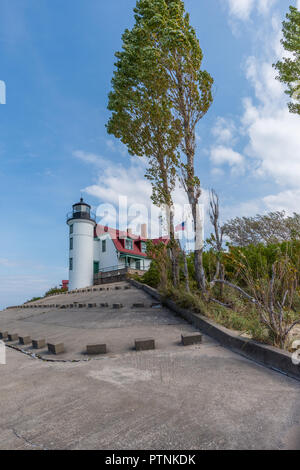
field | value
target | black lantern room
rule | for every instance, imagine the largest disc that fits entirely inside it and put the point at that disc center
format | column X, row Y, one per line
column 81, row 210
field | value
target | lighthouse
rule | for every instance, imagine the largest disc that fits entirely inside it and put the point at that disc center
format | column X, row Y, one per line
column 81, row 224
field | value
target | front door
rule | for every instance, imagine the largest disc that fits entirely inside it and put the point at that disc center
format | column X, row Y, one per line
column 96, row 267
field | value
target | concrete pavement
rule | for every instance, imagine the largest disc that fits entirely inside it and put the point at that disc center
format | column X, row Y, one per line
column 195, row 397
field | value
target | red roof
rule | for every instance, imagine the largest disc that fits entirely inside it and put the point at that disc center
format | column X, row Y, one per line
column 119, row 237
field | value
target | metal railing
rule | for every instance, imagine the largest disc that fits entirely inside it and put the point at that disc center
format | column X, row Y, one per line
column 112, row 268
column 120, row 267
column 81, row 215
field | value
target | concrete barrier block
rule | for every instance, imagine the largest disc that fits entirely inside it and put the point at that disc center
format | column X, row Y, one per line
column 3, row 334
column 118, row 288
column 38, row 343
column 57, row 348
column 127, row 287
column 13, row 337
column 187, row 340
column 104, row 305
column 117, row 306
column 138, row 305
column 96, row 349
column 92, row 305
column 144, row 344
column 24, row 340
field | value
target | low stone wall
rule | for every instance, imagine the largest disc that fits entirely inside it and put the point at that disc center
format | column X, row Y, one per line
column 268, row 356
column 115, row 276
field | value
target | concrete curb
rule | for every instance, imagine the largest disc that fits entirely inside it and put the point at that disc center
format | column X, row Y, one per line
column 268, row 356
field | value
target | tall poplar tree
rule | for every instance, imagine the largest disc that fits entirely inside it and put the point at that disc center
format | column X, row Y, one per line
column 142, row 118
column 170, row 56
column 289, row 67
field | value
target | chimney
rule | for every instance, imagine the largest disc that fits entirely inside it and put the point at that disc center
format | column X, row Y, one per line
column 144, row 231
column 129, row 232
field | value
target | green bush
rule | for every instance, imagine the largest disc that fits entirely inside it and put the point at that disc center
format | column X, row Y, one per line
column 54, row 290
column 33, row 299
column 152, row 276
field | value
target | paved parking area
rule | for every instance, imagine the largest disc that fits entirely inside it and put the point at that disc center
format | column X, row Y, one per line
column 195, row 397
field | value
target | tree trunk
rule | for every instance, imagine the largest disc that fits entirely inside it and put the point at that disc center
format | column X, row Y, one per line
column 198, row 249
column 174, row 249
column 186, row 272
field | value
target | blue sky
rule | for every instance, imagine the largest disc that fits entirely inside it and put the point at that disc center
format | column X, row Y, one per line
column 56, row 58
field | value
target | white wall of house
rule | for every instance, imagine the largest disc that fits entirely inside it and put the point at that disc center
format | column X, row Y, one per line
column 109, row 257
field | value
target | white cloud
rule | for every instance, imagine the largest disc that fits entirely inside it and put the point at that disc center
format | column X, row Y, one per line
column 264, row 6
column 118, row 180
column 274, row 143
column 221, row 155
column 87, row 157
column 272, row 149
column 288, row 200
column 273, row 132
column 242, row 9
column 246, row 208
column 217, row 172
column 224, row 130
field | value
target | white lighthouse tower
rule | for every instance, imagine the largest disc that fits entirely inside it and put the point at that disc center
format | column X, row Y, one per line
column 81, row 244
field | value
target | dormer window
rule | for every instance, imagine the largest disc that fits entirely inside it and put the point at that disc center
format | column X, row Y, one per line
column 128, row 244
column 143, row 247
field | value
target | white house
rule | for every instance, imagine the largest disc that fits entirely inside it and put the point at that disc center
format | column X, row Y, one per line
column 94, row 248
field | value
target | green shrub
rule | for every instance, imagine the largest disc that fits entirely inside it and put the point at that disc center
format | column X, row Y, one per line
column 152, row 276
column 54, row 290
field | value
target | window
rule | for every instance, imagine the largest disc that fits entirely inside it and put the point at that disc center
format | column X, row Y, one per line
column 103, row 246
column 128, row 244
column 81, row 208
column 71, row 264
column 143, row 247
column 96, row 267
column 71, row 243
column 71, row 229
